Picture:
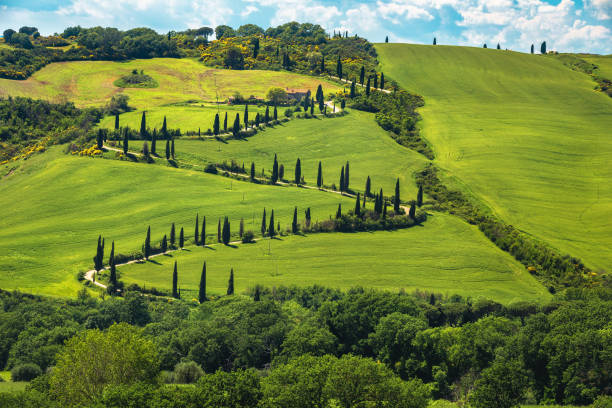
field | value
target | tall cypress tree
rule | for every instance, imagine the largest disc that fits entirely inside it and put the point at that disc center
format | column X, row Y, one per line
column 154, row 142
column 386, row 39
column 435, row 41
column 226, row 231
column 298, row 172
column 412, row 211
column 384, row 214
column 175, row 282
column 202, row 292
column 236, row 128
column 339, row 212
column 219, row 238
column 484, row 46
column 117, row 121
column 143, row 126
column 312, row 106
column 396, row 198
column 498, row 47
column 216, row 125
column 281, row 172
column 358, row 205
column 275, row 170
column 420, row 196
column 532, row 48
column 203, row 233
column 164, row 244
column 368, row 87
column 246, row 116
column 225, row 123
column 252, row 171
column 294, row 223
column 263, row 223
column 382, row 80
column 375, row 80
column 275, row 113
column 339, row 68
column 100, row 139
column 346, row 177
column 267, row 115
column 172, row 149
column 125, row 141
column 307, row 218
column 543, row 48
column 111, row 257
column 230, row 284
column 147, row 244
column 368, row 187
column 164, row 129
column 167, row 149
column 319, row 95
column 271, row 230
column 362, row 75
column 196, row 235
column 182, row 239
column 241, row 229
column 113, row 270
column 353, row 93
column 342, row 180
column 319, row 176
column 172, row 235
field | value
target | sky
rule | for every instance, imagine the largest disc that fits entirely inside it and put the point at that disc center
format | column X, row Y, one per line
column 566, row 25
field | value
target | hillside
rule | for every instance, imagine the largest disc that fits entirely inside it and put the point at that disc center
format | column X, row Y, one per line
column 523, row 133
column 90, row 83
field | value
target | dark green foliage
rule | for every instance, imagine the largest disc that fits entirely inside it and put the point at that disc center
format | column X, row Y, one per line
column 216, row 125
column 236, row 128
column 263, row 223
column 396, row 198
column 226, row 231
column 145, row 150
column 358, row 205
column 275, row 113
column 175, row 293
column 267, row 115
column 498, row 46
column 419, row 201
column 346, row 177
column 117, row 121
column 274, row 177
column 196, row 235
column 125, row 141
column 484, row 46
column 154, row 142
column 241, row 228
column 271, row 231
column 281, row 172
column 164, row 244
column 375, row 80
column 307, row 219
column 113, row 269
column 164, row 129
column 252, row 174
column 167, row 149
column 25, row 372
column 202, row 292
column 203, row 232
column 187, row 372
column 382, row 80
column 230, row 284
column 341, row 179
column 143, row 125
column 246, row 116
column 319, row 176
column 219, row 236
column 319, row 96
column 147, row 244
column 182, row 239
column 225, row 123
column 543, row 48
column 339, row 68
column 172, row 235
column 339, row 212
column 412, row 211
column 368, row 87
column 435, row 41
column 501, row 385
column 386, row 39
column 298, row 172
column 362, row 75
column 532, row 49
column 294, row 222
column 353, row 92
column 368, row 187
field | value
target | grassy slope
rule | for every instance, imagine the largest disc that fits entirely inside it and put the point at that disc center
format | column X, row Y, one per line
column 59, row 204
column 90, row 83
column 603, row 62
column 429, row 257
column 524, row 133
column 354, row 137
column 184, row 117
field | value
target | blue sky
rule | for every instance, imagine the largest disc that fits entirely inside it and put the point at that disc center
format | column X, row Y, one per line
column 566, row 25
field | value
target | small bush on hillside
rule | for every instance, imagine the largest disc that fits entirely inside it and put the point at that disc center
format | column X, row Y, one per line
column 248, row 237
column 211, row 168
column 187, row 372
column 25, row 372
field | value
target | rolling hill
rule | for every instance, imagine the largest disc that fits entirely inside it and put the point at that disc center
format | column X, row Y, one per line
column 525, row 135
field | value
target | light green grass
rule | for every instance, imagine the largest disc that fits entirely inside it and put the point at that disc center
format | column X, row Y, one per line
column 528, row 136
column 426, row 257
column 603, row 62
column 90, row 83
column 59, row 204
column 334, row 141
column 12, row 386
column 188, row 117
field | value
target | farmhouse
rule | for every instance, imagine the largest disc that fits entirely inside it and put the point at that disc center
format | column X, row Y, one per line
column 296, row 93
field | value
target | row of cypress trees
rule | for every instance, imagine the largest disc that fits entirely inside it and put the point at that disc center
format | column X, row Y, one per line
column 176, row 292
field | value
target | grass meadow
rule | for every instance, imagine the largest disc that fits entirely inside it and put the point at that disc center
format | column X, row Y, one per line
column 527, row 136
column 60, row 204
column 428, row 257
column 90, row 83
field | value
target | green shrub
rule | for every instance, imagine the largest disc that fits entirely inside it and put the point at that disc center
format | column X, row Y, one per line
column 25, row 372
column 248, row 237
column 187, row 372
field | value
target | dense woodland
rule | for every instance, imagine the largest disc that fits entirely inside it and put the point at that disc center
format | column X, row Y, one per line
column 305, row 347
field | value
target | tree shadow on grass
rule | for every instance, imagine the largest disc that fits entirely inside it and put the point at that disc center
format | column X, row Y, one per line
column 153, row 261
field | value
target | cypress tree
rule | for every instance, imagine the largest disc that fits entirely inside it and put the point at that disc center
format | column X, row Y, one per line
column 225, row 123
column 196, row 235
column 485, row 45
column 154, row 142
column 275, row 170
column 311, row 106
column 230, row 284
column 375, row 80
column 543, row 48
column 164, row 244
column 368, row 87
column 216, row 125
column 384, row 214
column 100, row 139
column 182, row 239
column 346, row 177
column 294, row 223
column 219, row 237
column 203, row 233
column 368, row 186
column 263, row 223
column 435, row 41
column 364, row 202
column 275, row 113
column 125, row 141
column 145, row 150
column 532, row 48
column 241, row 230
column 252, row 171
column 143, row 125
column 172, row 235
column 113, row 271
column 267, row 115
column 420, row 196
column 307, row 218
column 257, row 120
column 172, row 149
column 412, row 211
column 298, row 171
column 175, row 282
column 111, row 257
column 386, row 39
column 164, row 129
column 246, row 117
column 147, row 245
column 226, row 231
column 339, row 68
column 271, row 231
column 257, row 294
column 281, row 172
column 358, row 205
column 117, row 121
column 236, row 128
column 382, row 80
column 319, row 176
column 396, row 198
column 202, row 292
column 321, row 106
column 362, row 75
column 319, row 95
column 498, row 47
column 353, row 93
column 342, row 180
column 339, row 212
column 167, row 149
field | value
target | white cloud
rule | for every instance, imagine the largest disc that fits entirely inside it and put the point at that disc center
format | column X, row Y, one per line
column 248, row 10
column 602, row 9
column 390, row 11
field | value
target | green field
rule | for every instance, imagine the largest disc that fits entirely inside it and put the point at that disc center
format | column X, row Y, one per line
column 354, row 137
column 90, row 83
column 529, row 137
column 603, row 62
column 187, row 117
column 59, row 204
column 428, row 257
